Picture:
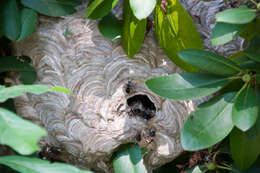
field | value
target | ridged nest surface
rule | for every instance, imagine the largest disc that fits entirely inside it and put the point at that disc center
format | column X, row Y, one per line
column 110, row 105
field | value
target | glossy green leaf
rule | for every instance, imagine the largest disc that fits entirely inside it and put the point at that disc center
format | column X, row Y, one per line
column 142, row 9
column 18, row 133
column 133, row 31
column 197, row 169
column 239, row 15
column 28, row 19
column 17, row 64
column 253, row 51
column 240, row 59
column 244, row 61
column 245, row 109
column 129, row 160
column 93, row 4
column 18, row 90
column 186, row 86
column 252, row 169
column 175, row 31
column 208, row 124
column 53, row 8
column 99, row 8
column 10, row 19
column 209, row 61
column 35, row 165
column 225, row 32
column 250, row 65
column 251, row 30
column 110, row 27
column 244, row 151
column 60, row 89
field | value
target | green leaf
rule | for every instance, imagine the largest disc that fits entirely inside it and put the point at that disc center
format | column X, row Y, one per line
column 133, row 31
column 12, row 63
column 10, row 19
column 253, row 51
column 60, row 89
column 53, row 8
column 99, row 8
column 244, row 151
column 142, row 9
column 246, row 63
column 18, row 133
column 93, row 4
column 209, row 124
column 245, row 109
column 186, row 86
column 252, row 169
column 28, row 19
column 175, row 31
column 197, row 169
column 209, row 61
column 250, row 65
column 35, row 165
column 251, row 30
column 130, row 161
column 18, row 90
column 239, row 15
column 240, row 59
column 110, row 27
column 225, row 32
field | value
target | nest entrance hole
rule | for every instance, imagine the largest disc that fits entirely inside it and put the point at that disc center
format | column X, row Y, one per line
column 140, row 105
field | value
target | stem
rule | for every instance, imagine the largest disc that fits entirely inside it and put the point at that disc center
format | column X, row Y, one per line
column 235, row 77
column 214, row 157
column 241, row 89
column 223, row 167
column 226, row 165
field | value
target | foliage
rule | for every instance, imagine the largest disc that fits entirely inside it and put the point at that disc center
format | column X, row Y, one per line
column 130, row 159
column 133, row 31
column 175, row 31
column 232, row 22
column 209, row 124
column 100, row 8
column 109, row 27
column 12, row 135
column 173, row 26
column 187, row 85
column 21, row 65
column 235, row 108
column 17, row 23
column 138, row 8
column 35, row 165
column 53, row 8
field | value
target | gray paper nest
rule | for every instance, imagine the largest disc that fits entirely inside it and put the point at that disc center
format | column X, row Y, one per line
column 88, row 126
